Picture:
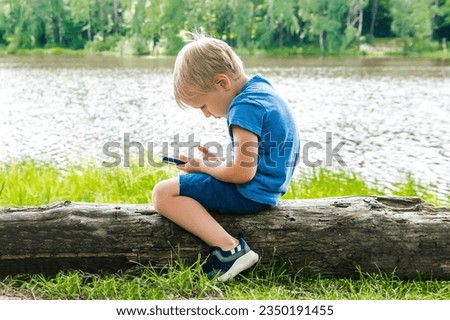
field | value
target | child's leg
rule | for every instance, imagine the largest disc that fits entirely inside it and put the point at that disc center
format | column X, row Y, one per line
column 190, row 215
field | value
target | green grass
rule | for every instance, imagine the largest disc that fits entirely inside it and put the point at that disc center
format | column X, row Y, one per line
column 179, row 281
column 31, row 183
column 325, row 182
column 56, row 51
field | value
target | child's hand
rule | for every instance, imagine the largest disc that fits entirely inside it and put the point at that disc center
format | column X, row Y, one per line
column 195, row 164
column 210, row 156
column 191, row 165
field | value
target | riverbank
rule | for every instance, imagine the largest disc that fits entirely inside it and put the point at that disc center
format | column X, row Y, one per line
column 380, row 48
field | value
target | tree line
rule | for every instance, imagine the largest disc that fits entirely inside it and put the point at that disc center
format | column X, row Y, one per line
column 158, row 26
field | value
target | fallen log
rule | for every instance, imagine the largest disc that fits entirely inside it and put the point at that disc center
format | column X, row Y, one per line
column 330, row 236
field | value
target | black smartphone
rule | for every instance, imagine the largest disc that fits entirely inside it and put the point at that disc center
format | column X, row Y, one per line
column 173, row 160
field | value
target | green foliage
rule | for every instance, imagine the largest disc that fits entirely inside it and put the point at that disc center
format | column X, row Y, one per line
column 412, row 22
column 442, row 21
column 250, row 25
column 138, row 18
column 323, row 19
column 280, row 20
column 3, row 27
column 173, row 19
column 139, row 45
column 109, row 43
column 242, row 23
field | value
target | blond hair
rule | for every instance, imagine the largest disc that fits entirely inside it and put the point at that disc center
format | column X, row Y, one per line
column 198, row 62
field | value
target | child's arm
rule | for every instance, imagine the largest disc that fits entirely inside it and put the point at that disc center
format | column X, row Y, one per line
column 241, row 169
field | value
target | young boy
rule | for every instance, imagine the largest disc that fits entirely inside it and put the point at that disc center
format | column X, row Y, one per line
column 209, row 76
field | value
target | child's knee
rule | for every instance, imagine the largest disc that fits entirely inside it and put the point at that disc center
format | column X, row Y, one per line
column 163, row 191
column 158, row 195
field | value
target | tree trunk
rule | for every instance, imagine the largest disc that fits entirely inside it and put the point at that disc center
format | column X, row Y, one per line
column 355, row 15
column 280, row 34
column 116, row 16
column 330, row 236
column 373, row 19
column 60, row 32
column 360, row 21
column 321, row 41
column 89, row 31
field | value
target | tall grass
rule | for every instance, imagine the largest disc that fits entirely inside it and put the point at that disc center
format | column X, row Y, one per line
column 412, row 187
column 324, row 182
column 32, row 183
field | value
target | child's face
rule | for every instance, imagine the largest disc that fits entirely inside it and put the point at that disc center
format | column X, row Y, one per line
column 214, row 103
column 211, row 104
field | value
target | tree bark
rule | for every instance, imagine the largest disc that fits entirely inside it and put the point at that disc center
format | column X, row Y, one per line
column 360, row 21
column 322, row 41
column 116, row 16
column 330, row 236
column 373, row 19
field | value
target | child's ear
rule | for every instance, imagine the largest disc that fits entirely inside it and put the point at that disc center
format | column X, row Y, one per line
column 222, row 81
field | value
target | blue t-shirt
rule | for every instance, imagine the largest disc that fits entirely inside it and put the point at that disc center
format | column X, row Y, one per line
column 260, row 110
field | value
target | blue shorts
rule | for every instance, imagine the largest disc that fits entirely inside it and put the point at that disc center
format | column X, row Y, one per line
column 217, row 196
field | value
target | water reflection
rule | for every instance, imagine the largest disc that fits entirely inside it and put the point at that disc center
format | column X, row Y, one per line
column 394, row 114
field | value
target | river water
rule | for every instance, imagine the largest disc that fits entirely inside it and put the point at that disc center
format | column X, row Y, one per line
column 392, row 115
